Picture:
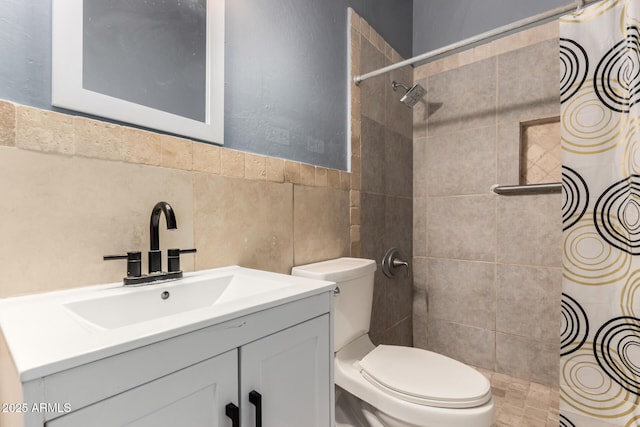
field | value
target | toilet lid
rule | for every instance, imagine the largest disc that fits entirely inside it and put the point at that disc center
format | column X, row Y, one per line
column 424, row 377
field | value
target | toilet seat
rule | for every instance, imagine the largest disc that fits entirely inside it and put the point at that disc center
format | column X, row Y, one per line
column 349, row 377
column 425, row 378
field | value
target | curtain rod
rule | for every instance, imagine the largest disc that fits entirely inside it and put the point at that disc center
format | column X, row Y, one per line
column 476, row 39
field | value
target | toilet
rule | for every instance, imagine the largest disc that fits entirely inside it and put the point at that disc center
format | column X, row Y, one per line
column 387, row 385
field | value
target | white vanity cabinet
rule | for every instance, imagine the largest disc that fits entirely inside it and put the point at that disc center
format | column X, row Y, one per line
column 285, row 378
column 282, row 357
column 194, row 396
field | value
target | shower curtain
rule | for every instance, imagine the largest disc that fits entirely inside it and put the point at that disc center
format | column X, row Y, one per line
column 600, row 122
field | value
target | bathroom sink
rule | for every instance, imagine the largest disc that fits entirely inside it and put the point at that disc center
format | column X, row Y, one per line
column 54, row 331
column 144, row 303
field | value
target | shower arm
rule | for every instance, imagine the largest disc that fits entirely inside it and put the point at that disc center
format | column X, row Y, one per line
column 395, row 85
column 484, row 37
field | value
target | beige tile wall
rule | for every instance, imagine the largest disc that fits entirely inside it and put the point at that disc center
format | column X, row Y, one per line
column 75, row 189
column 540, row 153
column 487, row 271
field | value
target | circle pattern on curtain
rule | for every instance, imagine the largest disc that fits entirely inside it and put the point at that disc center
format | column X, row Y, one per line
column 600, row 131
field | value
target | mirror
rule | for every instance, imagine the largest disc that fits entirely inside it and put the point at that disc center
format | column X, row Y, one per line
column 155, row 64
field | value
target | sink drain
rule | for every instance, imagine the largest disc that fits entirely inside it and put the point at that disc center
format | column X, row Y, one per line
column 165, row 295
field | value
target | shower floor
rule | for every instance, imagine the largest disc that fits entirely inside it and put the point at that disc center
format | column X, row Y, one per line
column 520, row 403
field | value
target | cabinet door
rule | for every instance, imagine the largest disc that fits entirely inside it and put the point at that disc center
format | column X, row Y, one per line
column 291, row 371
column 194, row 396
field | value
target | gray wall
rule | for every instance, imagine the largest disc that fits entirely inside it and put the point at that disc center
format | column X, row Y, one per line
column 440, row 23
column 391, row 19
column 286, row 85
column 25, row 49
column 286, row 67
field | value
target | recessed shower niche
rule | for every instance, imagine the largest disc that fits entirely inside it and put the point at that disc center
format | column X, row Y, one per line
column 540, row 153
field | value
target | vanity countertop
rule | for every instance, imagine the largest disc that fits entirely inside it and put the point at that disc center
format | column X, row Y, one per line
column 54, row 331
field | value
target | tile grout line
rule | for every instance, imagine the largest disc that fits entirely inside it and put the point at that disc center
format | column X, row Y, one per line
column 495, row 221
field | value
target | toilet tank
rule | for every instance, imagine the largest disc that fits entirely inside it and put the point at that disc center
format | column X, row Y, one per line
column 352, row 305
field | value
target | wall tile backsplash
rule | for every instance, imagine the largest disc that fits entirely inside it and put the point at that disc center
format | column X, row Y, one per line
column 75, row 189
column 8, row 120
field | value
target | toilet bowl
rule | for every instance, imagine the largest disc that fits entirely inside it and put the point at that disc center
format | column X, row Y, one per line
column 392, row 386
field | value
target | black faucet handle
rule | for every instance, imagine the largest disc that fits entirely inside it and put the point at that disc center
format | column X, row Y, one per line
column 134, row 262
column 173, row 257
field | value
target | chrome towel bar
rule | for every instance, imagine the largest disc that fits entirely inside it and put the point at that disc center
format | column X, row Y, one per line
column 517, row 190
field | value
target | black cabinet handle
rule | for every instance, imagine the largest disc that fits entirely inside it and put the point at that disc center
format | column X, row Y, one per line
column 233, row 412
column 256, row 399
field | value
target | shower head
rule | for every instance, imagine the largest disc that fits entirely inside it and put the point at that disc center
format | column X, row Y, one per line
column 412, row 94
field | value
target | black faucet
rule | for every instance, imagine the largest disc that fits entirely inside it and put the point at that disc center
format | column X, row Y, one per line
column 155, row 255
column 134, row 259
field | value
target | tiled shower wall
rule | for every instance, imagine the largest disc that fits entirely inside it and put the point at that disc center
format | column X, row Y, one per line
column 487, row 268
column 382, row 156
